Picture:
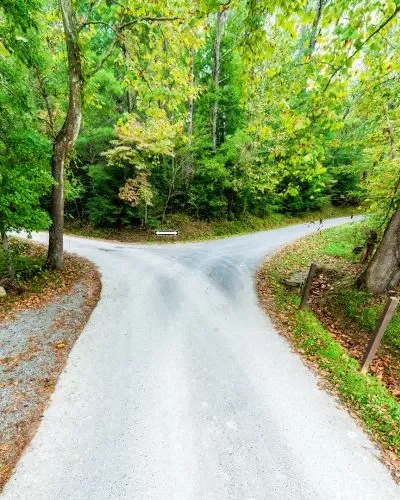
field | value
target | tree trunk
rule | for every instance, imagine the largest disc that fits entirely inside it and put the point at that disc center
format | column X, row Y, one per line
column 171, row 189
column 320, row 4
column 216, row 71
column 188, row 165
column 6, row 248
column 191, row 101
column 66, row 138
column 383, row 271
column 369, row 247
column 129, row 96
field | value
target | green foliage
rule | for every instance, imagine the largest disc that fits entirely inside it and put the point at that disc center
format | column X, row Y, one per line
column 24, row 178
column 24, row 152
column 26, row 267
column 206, row 196
column 104, row 207
column 306, row 106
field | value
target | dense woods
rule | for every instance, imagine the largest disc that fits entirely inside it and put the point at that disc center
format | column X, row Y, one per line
column 119, row 113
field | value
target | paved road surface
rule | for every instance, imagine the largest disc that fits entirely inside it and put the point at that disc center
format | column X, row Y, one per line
column 180, row 389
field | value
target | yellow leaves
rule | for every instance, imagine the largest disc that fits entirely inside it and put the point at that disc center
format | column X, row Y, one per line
column 299, row 124
column 140, row 144
column 3, row 51
column 265, row 132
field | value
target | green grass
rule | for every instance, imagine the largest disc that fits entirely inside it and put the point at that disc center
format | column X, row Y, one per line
column 365, row 309
column 195, row 230
column 365, row 395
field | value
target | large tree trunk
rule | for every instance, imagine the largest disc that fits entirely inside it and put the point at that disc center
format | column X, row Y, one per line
column 383, row 271
column 66, row 138
column 216, row 71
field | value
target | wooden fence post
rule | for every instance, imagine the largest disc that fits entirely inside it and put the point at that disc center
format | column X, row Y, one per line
column 307, row 286
column 376, row 337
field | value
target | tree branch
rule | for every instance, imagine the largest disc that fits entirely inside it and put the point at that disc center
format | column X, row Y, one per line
column 377, row 30
column 148, row 18
column 121, row 27
column 118, row 29
column 106, row 55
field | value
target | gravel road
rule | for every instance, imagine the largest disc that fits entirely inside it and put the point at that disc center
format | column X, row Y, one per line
column 179, row 388
column 28, row 358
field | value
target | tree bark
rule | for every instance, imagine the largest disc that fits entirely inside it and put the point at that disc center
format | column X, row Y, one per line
column 320, row 4
column 129, row 95
column 383, row 271
column 66, row 138
column 191, row 101
column 6, row 248
column 216, row 72
column 188, row 165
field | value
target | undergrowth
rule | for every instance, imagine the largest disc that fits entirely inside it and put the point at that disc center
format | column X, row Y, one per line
column 197, row 230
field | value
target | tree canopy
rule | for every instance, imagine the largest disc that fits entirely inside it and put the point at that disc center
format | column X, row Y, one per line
column 216, row 109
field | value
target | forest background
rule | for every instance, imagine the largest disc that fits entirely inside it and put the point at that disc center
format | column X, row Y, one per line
column 119, row 113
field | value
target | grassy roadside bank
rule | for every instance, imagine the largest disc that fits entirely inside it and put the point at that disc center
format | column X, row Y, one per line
column 195, row 230
column 333, row 347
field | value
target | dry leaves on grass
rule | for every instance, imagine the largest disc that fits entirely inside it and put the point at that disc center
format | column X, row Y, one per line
column 47, row 286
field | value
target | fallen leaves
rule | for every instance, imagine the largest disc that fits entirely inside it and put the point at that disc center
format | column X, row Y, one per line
column 30, row 404
column 45, row 286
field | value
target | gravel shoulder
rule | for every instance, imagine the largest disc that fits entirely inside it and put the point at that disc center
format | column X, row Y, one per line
column 34, row 346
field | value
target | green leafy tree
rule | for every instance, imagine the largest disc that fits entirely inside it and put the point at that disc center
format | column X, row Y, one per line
column 24, row 155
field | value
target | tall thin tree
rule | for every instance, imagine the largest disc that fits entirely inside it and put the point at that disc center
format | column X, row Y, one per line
column 66, row 138
column 216, row 76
